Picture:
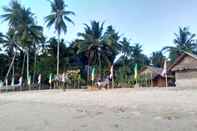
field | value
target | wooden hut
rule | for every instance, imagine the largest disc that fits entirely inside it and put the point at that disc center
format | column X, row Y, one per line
column 185, row 70
column 152, row 77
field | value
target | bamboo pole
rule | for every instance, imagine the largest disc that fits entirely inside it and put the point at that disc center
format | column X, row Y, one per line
column 166, row 80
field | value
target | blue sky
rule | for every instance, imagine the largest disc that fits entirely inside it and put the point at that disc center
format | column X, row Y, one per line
column 152, row 23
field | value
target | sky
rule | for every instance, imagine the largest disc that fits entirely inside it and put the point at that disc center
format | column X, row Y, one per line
column 152, row 23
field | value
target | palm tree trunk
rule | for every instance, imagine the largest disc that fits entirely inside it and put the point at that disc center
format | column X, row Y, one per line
column 23, row 66
column 10, row 67
column 125, row 70
column 27, row 51
column 35, row 62
column 58, row 54
column 13, row 72
column 22, row 71
column 88, row 72
column 100, row 71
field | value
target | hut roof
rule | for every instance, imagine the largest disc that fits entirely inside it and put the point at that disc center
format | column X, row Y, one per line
column 179, row 65
column 154, row 70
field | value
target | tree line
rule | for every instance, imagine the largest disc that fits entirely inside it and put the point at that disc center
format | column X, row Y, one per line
column 26, row 51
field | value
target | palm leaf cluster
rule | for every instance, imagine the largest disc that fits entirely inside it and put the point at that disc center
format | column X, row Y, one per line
column 95, row 46
column 184, row 41
column 58, row 16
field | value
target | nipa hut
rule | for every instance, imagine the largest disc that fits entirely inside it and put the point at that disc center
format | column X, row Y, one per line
column 185, row 70
column 152, row 77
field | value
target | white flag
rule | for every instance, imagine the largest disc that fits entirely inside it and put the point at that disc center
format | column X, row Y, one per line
column 164, row 69
column 63, row 77
column 6, row 82
column 29, row 80
column 20, row 81
column 111, row 72
column 12, row 84
column 39, row 78
column 50, row 78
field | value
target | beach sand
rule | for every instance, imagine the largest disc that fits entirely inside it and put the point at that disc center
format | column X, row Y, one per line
column 152, row 109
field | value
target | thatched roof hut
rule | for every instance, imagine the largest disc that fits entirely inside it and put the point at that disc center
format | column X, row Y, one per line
column 185, row 69
column 153, row 76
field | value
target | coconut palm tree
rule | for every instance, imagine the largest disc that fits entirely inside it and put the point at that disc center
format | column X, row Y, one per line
column 37, row 39
column 24, row 32
column 157, row 59
column 1, row 37
column 136, row 53
column 184, row 41
column 126, row 50
column 92, row 43
column 64, row 52
column 111, row 38
column 138, row 57
column 10, row 48
column 12, row 14
column 58, row 17
column 23, row 27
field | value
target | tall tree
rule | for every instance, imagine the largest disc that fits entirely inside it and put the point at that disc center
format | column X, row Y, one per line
column 12, row 15
column 92, row 43
column 22, row 25
column 58, row 17
column 52, row 50
column 10, row 48
column 37, row 39
column 111, row 38
column 184, row 41
column 138, row 57
column 126, row 50
column 157, row 59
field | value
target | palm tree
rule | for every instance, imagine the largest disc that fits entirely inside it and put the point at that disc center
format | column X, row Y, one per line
column 58, row 17
column 136, row 53
column 23, row 27
column 64, row 51
column 157, row 59
column 138, row 57
column 37, row 39
column 184, row 41
column 126, row 50
column 111, row 38
column 1, row 37
column 12, row 14
column 93, row 45
column 10, row 48
column 24, row 33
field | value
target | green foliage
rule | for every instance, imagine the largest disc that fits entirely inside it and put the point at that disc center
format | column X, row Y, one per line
column 58, row 17
column 184, row 41
column 96, row 46
column 157, row 58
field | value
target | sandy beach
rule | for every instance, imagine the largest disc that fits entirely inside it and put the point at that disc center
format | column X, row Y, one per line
column 111, row 110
